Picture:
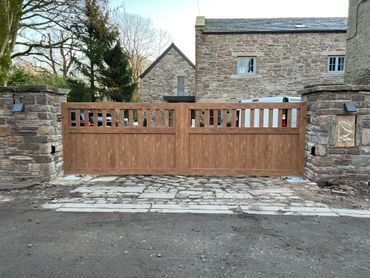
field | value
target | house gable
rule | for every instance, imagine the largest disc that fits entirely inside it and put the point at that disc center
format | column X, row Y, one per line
column 172, row 46
column 171, row 74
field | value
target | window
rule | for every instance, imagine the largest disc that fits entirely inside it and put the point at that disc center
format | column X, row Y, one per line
column 246, row 65
column 180, row 85
column 336, row 64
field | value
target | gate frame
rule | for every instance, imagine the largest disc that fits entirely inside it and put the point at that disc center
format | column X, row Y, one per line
column 182, row 130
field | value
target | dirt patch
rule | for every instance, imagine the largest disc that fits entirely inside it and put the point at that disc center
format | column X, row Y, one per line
column 342, row 195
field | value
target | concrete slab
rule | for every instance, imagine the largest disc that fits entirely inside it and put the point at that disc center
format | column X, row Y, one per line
column 94, row 209
column 107, row 206
column 192, row 206
column 352, row 212
column 198, row 211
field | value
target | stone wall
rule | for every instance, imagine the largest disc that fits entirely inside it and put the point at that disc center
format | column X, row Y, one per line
column 31, row 141
column 161, row 80
column 326, row 162
column 358, row 41
column 285, row 63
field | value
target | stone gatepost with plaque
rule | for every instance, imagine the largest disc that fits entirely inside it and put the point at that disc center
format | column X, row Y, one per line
column 338, row 133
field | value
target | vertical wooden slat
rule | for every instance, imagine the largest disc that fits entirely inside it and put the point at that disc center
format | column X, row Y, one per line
column 69, row 117
column 130, row 118
column 113, row 117
column 139, row 118
column 157, row 118
column 148, row 116
column 86, row 115
column 233, row 118
column 104, row 117
column 206, row 118
column 224, row 117
column 121, row 118
column 290, row 116
column 95, row 118
column 215, row 118
column 242, row 118
column 261, row 123
column 78, row 111
column 197, row 118
column 252, row 118
column 271, row 118
column 166, row 118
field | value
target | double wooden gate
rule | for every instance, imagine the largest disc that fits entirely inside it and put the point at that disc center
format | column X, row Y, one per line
column 259, row 139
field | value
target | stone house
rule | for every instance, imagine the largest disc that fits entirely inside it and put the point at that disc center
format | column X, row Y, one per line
column 243, row 58
column 358, row 39
column 170, row 76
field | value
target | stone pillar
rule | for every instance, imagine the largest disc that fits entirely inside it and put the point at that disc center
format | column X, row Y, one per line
column 31, row 141
column 337, row 142
column 357, row 70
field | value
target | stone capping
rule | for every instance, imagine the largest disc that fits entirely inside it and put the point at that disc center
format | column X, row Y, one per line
column 35, row 88
column 333, row 88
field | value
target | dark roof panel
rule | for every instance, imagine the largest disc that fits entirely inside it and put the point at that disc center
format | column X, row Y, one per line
column 272, row 25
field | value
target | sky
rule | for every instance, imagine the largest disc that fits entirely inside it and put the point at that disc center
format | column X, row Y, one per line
column 177, row 17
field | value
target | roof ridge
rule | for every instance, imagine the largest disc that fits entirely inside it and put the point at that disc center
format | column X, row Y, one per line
column 164, row 53
column 267, row 18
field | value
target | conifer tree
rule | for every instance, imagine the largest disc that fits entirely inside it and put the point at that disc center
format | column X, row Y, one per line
column 117, row 77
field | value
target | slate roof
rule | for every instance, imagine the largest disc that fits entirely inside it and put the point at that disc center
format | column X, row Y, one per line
column 164, row 54
column 275, row 25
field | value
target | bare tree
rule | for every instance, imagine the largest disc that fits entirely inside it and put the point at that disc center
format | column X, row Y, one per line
column 55, row 59
column 141, row 40
column 25, row 25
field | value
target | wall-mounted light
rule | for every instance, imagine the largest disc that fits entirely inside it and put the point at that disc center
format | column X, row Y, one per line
column 18, row 107
column 350, row 107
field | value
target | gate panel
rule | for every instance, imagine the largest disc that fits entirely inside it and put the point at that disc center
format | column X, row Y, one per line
column 265, row 139
column 209, row 139
column 118, row 138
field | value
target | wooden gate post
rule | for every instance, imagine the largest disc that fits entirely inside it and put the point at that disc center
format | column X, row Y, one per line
column 182, row 138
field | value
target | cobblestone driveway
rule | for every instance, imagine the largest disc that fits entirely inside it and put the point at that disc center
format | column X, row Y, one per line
column 190, row 194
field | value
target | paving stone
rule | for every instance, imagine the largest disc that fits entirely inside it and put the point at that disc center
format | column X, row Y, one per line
column 234, row 195
column 185, row 191
column 4, row 199
column 271, row 191
column 104, row 179
column 158, row 195
column 106, row 189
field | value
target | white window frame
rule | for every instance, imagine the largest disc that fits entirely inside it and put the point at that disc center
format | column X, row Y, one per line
column 249, row 61
column 336, row 67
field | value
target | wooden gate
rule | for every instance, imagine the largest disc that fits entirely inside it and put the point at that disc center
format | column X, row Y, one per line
column 259, row 139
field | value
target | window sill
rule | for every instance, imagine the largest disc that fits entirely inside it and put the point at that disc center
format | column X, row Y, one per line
column 335, row 73
column 245, row 76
